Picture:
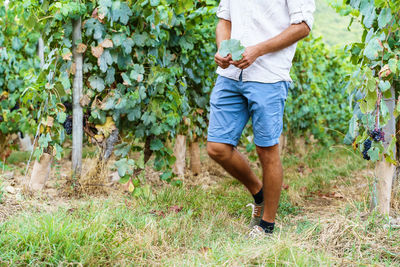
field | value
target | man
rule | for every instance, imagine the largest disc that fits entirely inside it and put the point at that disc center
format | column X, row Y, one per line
column 255, row 86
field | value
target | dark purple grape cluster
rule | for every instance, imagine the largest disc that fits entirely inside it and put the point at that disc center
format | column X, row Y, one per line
column 16, row 107
column 1, row 118
column 68, row 106
column 68, row 125
column 377, row 135
column 367, row 146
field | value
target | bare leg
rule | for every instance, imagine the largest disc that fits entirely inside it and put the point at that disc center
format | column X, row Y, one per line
column 235, row 164
column 272, row 178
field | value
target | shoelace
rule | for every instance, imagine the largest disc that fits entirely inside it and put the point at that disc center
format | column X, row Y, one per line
column 256, row 210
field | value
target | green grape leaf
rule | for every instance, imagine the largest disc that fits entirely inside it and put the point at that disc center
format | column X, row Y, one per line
column 384, row 85
column 166, row 176
column 373, row 48
column 140, row 38
column 125, row 166
column 95, row 28
column 232, row 47
column 127, row 44
column 105, row 60
column 384, row 17
column 369, row 14
column 373, row 153
column 16, row 44
column 44, row 140
column 137, row 73
column 97, row 83
column 154, row 2
column 61, row 117
column 120, row 11
column 156, row 144
column 110, row 77
column 353, row 127
column 393, row 65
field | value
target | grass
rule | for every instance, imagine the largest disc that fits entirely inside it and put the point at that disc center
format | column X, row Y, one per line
column 333, row 27
column 189, row 225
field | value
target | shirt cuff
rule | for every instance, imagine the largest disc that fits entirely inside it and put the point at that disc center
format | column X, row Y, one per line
column 299, row 17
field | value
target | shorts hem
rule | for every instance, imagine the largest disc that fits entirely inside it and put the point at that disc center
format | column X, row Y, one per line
column 221, row 140
column 268, row 143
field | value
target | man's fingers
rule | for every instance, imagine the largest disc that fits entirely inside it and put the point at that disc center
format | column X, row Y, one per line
column 222, row 64
column 243, row 64
column 223, row 59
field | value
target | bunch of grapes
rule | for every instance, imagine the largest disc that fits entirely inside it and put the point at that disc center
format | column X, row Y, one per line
column 67, row 105
column 367, row 146
column 377, row 135
column 16, row 107
column 68, row 125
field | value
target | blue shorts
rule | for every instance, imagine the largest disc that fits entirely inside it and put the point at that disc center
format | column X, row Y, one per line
column 234, row 102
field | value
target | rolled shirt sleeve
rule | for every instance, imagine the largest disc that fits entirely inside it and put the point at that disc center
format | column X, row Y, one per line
column 223, row 11
column 301, row 10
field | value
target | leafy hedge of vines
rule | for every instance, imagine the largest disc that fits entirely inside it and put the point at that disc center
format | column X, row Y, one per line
column 148, row 71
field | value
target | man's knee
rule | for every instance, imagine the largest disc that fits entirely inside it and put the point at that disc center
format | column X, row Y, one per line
column 269, row 154
column 219, row 151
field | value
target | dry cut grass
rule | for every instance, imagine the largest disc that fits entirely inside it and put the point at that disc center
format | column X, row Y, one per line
column 323, row 220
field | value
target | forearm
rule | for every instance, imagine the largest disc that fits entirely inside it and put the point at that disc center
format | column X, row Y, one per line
column 223, row 31
column 291, row 35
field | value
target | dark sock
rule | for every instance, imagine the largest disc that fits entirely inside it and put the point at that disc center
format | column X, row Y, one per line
column 267, row 226
column 259, row 197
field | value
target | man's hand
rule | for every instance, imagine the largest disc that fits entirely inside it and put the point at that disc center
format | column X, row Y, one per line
column 223, row 62
column 249, row 56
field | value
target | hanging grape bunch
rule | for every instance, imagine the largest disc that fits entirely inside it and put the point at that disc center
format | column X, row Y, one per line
column 68, row 125
column 376, row 135
column 367, row 146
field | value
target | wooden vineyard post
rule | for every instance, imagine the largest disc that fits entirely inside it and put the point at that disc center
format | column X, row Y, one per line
column 195, row 162
column 180, row 155
column 40, row 173
column 77, row 113
column 384, row 171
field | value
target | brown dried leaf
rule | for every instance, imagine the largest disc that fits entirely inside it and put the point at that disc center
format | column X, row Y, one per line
column 200, row 111
column 72, row 70
column 67, row 56
column 107, row 43
column 101, row 17
column 84, row 101
column 385, row 71
column 97, row 51
column 81, row 48
column 158, row 213
column 175, row 209
column 94, row 13
column 99, row 138
column 50, row 121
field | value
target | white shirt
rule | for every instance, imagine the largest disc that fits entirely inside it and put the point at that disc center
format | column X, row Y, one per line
column 255, row 21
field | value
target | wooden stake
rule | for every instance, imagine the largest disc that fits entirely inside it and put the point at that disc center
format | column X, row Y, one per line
column 180, row 155
column 195, row 162
column 385, row 171
column 40, row 172
column 77, row 113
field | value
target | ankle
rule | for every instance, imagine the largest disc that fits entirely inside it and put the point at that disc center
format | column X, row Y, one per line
column 259, row 197
column 268, row 227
